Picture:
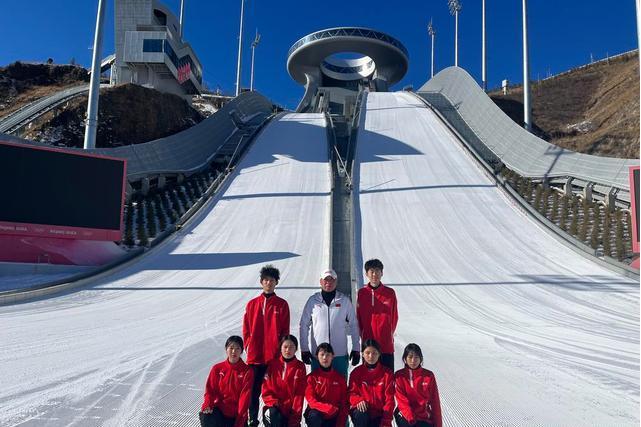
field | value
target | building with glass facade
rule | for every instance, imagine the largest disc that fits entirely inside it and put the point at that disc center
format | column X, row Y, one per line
column 150, row 51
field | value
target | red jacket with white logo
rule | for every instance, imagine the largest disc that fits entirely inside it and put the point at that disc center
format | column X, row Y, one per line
column 326, row 391
column 228, row 388
column 376, row 388
column 284, row 388
column 417, row 396
column 266, row 321
column 377, row 314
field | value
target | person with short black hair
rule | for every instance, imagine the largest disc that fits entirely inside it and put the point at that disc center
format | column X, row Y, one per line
column 377, row 311
column 417, row 398
column 326, row 392
column 371, row 390
column 265, row 323
column 228, row 389
column 284, row 387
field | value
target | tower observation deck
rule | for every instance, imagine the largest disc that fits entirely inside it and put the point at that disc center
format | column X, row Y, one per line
column 337, row 61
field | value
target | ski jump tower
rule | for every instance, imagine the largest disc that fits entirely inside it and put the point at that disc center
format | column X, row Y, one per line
column 336, row 63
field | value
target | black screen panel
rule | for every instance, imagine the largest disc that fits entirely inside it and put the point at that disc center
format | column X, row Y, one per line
column 58, row 188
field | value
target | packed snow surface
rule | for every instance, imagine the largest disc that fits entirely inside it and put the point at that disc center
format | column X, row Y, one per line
column 136, row 348
column 518, row 329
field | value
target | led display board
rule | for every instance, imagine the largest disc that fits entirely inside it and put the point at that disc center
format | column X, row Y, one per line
column 52, row 192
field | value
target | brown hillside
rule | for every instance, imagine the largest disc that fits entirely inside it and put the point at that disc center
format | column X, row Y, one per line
column 593, row 110
column 22, row 83
column 128, row 114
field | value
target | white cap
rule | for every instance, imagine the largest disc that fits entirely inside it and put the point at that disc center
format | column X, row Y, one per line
column 328, row 272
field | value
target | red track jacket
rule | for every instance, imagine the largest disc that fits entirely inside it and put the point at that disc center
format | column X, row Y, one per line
column 417, row 396
column 327, row 392
column 228, row 388
column 376, row 388
column 266, row 321
column 284, row 388
column 377, row 314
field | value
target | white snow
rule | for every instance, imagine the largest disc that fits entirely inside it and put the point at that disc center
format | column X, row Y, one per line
column 140, row 344
column 519, row 329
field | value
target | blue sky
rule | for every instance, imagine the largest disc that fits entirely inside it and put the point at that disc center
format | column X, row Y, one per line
column 561, row 36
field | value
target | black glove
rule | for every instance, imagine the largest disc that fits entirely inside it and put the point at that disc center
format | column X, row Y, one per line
column 356, row 357
column 307, row 357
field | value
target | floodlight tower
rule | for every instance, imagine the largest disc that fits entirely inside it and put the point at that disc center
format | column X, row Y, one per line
column 182, row 16
column 240, row 47
column 483, row 54
column 94, row 86
column 254, row 44
column 527, row 107
column 455, row 8
column 432, row 33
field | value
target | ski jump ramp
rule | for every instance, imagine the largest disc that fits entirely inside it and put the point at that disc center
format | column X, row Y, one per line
column 519, row 329
column 136, row 348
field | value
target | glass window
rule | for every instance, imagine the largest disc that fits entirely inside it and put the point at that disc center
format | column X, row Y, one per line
column 152, row 45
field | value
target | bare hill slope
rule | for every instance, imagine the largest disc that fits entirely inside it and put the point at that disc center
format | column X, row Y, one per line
column 127, row 114
column 22, row 83
column 593, row 110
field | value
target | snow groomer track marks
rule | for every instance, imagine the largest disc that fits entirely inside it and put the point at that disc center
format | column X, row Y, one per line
column 135, row 349
column 519, row 329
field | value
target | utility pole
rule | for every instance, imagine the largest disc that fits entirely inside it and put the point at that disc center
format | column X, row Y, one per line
column 483, row 53
column 240, row 47
column 182, row 18
column 455, row 8
column 94, row 85
column 527, row 107
column 254, row 44
column 432, row 33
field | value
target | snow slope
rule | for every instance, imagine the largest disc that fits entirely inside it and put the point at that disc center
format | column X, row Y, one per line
column 136, row 348
column 519, row 329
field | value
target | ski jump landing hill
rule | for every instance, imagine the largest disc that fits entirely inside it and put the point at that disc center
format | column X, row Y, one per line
column 519, row 329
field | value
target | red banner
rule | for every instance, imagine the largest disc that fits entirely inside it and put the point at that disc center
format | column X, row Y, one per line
column 184, row 72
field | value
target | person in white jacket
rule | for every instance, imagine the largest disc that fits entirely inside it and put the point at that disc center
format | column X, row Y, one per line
column 331, row 317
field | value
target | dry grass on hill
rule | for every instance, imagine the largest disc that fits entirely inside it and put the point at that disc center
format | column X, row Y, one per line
column 23, row 83
column 593, row 110
column 127, row 114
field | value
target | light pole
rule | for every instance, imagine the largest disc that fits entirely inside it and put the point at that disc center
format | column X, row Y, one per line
column 483, row 65
column 94, row 85
column 240, row 47
column 432, row 33
column 527, row 107
column 254, row 44
column 455, row 8
column 182, row 18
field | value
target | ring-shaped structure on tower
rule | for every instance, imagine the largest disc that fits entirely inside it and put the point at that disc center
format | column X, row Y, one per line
column 384, row 59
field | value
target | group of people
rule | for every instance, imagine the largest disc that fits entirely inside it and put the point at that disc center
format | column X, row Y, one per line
column 374, row 395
